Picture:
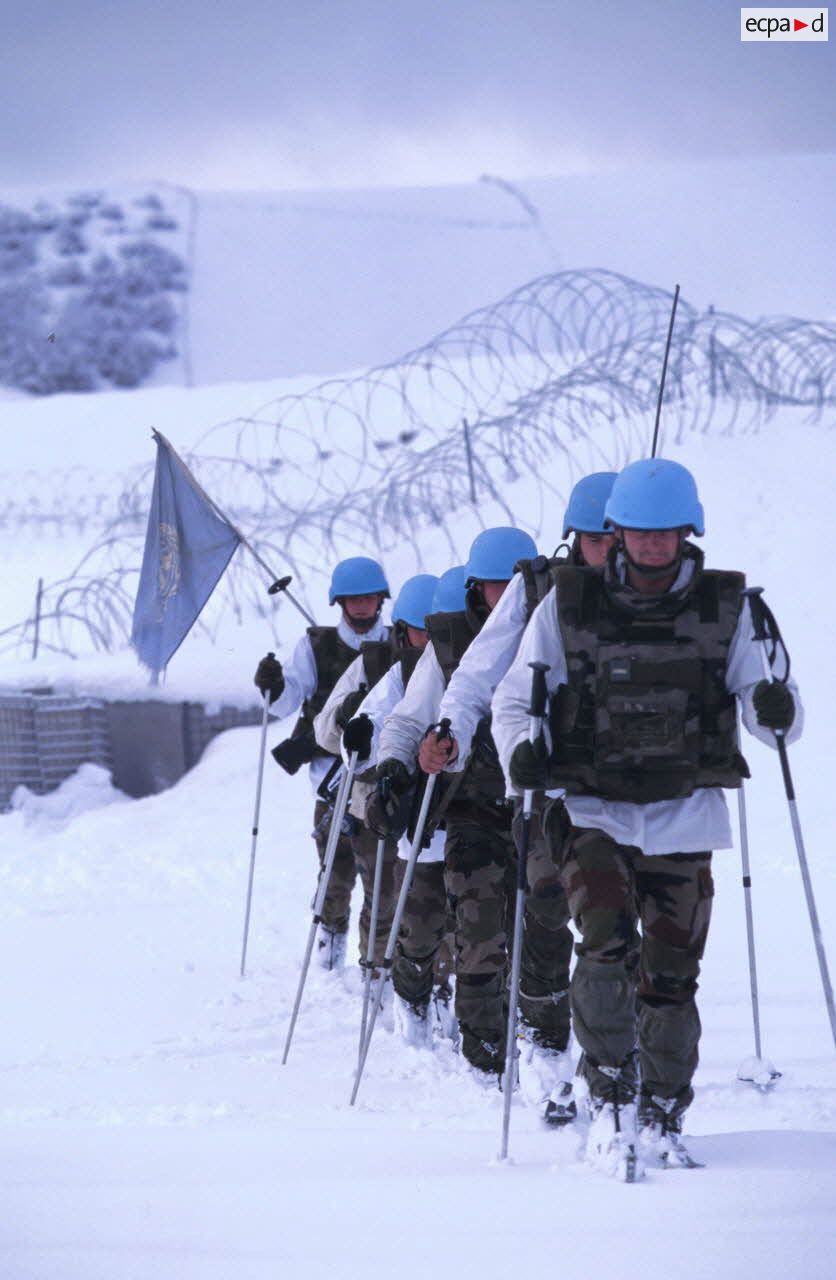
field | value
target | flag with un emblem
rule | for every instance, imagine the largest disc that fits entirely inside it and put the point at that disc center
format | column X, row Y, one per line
column 188, row 545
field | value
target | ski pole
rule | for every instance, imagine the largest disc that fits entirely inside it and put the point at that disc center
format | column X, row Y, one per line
column 761, row 1073
column 406, row 884
column 340, row 806
column 750, row 930
column 536, row 711
column 255, row 827
column 375, row 909
column 761, row 617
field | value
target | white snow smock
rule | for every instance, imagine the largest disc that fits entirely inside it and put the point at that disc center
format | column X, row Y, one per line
column 403, row 724
column 467, row 699
column 300, row 681
column 695, row 824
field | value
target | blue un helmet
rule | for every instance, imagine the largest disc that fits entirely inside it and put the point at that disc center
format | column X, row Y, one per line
column 585, row 512
column 494, row 553
column 415, row 600
column 357, row 576
column 449, row 595
column 655, row 493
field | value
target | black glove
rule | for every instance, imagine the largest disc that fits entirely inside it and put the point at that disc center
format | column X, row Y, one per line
column 393, row 776
column 529, row 765
column 349, row 705
column 774, row 704
column 387, row 810
column 357, row 736
column 269, row 677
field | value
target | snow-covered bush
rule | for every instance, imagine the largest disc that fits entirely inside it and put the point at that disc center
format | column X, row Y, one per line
column 161, row 222
column 66, row 274
column 157, row 266
column 69, row 240
column 74, row 316
column 18, row 233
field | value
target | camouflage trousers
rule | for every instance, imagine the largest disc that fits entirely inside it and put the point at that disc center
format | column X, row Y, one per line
column 356, row 854
column 637, row 991
column 424, row 950
column 547, row 939
column 480, row 874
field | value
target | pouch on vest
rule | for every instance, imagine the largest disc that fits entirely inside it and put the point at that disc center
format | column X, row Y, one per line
column 295, row 751
column 566, row 704
column 647, row 723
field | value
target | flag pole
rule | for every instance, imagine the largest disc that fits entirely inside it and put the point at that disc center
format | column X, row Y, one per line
column 277, row 584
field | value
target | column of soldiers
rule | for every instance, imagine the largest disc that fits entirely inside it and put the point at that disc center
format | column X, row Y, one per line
column 648, row 654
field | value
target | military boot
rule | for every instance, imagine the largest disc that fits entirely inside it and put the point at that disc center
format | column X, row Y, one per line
column 413, row 1022
column 612, row 1141
column 660, row 1133
column 546, row 1075
column 445, row 1021
column 330, row 948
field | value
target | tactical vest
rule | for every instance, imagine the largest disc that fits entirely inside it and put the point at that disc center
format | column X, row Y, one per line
column 450, row 634
column 332, row 656
column 538, row 577
column 378, row 656
column 645, row 714
column 408, row 658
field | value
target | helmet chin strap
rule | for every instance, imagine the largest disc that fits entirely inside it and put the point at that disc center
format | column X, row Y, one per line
column 653, row 572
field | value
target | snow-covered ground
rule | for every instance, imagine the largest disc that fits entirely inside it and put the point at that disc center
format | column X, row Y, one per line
column 150, row 1129
column 288, row 283
column 147, row 1126
column 338, row 280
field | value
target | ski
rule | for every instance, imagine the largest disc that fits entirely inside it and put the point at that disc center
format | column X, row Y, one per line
column 562, row 1110
column 666, row 1150
column 611, row 1145
column 675, row 1154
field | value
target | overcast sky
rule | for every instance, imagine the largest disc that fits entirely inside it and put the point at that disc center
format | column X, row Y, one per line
column 336, row 93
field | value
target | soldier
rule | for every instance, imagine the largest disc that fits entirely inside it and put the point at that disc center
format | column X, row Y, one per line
column 359, row 587
column 545, row 1064
column 423, row 962
column 646, row 658
column 479, row 850
column 402, row 647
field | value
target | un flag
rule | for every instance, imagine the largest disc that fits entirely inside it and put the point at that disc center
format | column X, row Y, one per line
column 188, row 545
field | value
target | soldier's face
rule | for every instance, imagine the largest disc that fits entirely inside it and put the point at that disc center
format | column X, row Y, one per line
column 595, row 548
column 416, row 636
column 361, row 611
column 654, row 548
column 492, row 592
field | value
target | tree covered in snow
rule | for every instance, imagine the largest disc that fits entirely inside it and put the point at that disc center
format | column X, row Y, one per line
column 78, row 313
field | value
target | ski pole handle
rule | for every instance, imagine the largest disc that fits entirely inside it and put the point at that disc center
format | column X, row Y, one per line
column 539, row 697
column 761, row 633
column 442, row 729
column 536, row 711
